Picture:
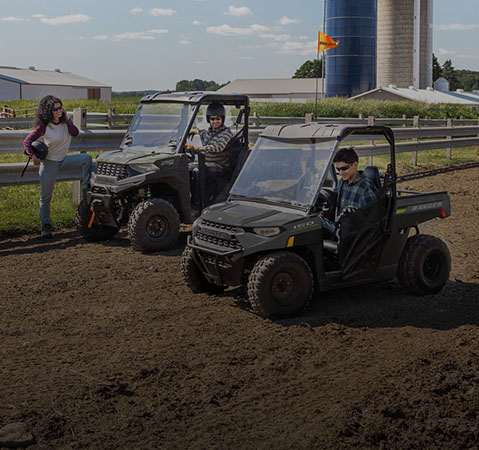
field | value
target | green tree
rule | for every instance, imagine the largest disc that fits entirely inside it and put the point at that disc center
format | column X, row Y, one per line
column 449, row 73
column 467, row 79
column 310, row 69
column 436, row 68
column 197, row 85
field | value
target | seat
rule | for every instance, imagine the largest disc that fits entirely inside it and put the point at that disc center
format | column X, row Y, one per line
column 372, row 172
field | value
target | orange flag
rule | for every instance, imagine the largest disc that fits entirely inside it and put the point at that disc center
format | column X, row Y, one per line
column 325, row 42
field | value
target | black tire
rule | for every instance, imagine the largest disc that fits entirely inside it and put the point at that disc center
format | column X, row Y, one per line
column 280, row 285
column 95, row 232
column 154, row 225
column 193, row 277
column 424, row 265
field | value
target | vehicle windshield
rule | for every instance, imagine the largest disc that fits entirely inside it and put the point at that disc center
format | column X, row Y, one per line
column 286, row 172
column 159, row 126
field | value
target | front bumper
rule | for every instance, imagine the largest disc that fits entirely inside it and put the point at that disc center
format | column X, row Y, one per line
column 219, row 264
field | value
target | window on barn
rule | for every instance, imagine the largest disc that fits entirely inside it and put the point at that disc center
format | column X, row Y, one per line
column 94, row 94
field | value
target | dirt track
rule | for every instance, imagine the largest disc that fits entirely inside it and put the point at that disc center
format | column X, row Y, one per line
column 105, row 348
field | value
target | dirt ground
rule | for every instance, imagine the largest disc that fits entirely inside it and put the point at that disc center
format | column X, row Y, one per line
column 105, row 348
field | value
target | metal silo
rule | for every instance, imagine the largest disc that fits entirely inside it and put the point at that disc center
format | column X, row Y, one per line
column 351, row 66
column 404, row 43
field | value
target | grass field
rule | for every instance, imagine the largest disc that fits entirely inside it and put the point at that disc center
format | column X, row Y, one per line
column 19, row 204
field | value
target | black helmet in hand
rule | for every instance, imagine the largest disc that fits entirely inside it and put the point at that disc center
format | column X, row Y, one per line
column 40, row 149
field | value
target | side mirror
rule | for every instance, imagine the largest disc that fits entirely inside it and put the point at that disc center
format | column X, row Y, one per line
column 172, row 144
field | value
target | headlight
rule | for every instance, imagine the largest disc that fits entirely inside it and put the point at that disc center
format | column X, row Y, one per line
column 142, row 168
column 267, row 232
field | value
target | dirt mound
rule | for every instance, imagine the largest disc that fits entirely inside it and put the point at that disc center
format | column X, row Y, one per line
column 103, row 347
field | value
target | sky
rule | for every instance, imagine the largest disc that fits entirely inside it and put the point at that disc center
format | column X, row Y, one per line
column 148, row 44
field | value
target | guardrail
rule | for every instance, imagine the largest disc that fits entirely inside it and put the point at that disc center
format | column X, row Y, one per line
column 455, row 133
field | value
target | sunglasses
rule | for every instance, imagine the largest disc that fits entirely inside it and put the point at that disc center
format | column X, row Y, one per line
column 343, row 168
column 58, row 109
column 215, row 118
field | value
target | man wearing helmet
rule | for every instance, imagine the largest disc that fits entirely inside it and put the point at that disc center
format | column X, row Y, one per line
column 214, row 141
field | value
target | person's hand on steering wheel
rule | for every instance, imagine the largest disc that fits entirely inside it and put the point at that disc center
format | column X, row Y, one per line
column 192, row 133
column 192, row 150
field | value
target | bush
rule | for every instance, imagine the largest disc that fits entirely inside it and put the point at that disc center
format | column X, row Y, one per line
column 341, row 107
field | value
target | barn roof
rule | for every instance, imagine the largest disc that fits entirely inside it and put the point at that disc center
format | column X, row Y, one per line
column 273, row 86
column 46, row 77
column 428, row 95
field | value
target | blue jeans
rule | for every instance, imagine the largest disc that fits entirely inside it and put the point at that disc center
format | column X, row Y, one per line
column 48, row 174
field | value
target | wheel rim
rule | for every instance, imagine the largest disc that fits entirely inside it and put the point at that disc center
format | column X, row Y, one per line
column 283, row 288
column 433, row 267
column 157, row 227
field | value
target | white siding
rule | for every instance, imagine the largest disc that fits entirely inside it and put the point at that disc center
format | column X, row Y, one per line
column 106, row 95
column 9, row 90
column 35, row 92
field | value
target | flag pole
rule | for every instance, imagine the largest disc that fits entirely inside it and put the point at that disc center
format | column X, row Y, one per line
column 323, row 65
column 316, row 93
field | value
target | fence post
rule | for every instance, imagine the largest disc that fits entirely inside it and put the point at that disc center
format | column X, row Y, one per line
column 79, row 120
column 369, row 159
column 405, row 120
column 448, row 150
column 477, row 149
column 109, row 117
column 308, row 117
column 255, row 121
column 415, row 124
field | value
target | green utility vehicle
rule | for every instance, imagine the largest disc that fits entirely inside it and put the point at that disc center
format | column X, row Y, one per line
column 269, row 236
column 145, row 184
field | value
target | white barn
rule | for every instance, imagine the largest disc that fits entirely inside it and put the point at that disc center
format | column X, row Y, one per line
column 33, row 84
column 281, row 90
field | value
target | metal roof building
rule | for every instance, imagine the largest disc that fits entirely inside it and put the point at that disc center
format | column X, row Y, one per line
column 428, row 95
column 31, row 83
column 294, row 90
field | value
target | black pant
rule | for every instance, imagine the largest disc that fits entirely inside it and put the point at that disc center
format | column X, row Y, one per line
column 214, row 174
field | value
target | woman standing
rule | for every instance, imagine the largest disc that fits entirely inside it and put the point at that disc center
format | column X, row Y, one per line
column 55, row 129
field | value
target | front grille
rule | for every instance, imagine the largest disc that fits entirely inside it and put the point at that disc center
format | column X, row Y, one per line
column 219, row 226
column 208, row 241
column 118, row 171
column 217, row 235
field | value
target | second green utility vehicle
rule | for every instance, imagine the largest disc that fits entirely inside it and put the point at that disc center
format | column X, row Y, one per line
column 146, row 183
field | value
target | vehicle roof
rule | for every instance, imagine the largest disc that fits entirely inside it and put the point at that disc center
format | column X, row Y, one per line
column 319, row 131
column 195, row 97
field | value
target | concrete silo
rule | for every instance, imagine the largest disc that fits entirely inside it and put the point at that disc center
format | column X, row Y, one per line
column 351, row 66
column 404, row 43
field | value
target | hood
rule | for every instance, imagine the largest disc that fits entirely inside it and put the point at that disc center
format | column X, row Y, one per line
column 136, row 157
column 249, row 214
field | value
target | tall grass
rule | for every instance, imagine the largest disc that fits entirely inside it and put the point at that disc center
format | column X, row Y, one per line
column 341, row 107
column 327, row 107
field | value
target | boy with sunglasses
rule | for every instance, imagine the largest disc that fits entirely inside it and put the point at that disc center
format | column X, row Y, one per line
column 354, row 190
